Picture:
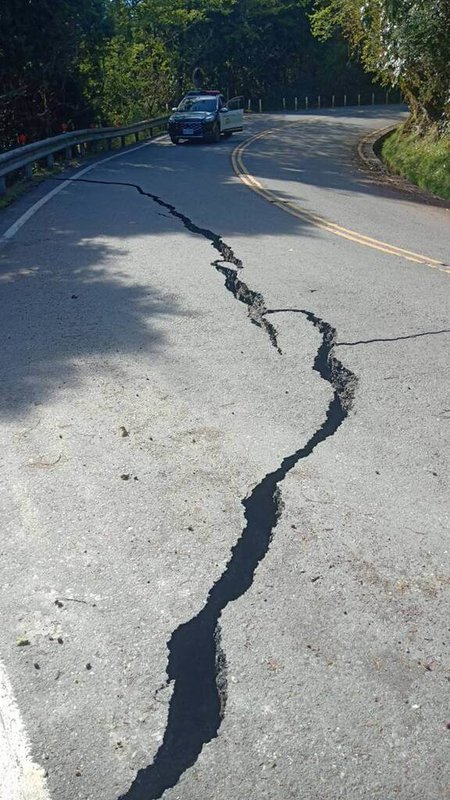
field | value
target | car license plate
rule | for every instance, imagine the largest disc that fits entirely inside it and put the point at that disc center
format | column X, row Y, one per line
column 187, row 131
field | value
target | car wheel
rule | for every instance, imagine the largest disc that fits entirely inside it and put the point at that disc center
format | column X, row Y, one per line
column 174, row 140
column 215, row 135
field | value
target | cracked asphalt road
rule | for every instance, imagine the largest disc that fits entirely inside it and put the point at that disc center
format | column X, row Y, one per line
column 147, row 427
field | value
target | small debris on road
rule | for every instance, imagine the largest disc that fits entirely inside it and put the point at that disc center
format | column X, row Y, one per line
column 22, row 642
column 126, row 476
column 123, row 431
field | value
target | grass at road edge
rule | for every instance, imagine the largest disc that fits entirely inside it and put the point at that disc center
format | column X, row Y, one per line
column 424, row 160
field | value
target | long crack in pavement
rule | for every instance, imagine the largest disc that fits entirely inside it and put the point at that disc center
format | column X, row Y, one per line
column 196, row 663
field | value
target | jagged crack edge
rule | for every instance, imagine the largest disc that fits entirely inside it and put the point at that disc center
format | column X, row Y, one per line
column 184, row 738
column 253, row 300
column 196, row 665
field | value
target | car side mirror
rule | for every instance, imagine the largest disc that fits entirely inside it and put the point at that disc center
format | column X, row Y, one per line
column 223, row 109
column 175, row 108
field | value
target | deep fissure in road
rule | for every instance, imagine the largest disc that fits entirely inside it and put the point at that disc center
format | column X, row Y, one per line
column 240, row 290
column 196, row 664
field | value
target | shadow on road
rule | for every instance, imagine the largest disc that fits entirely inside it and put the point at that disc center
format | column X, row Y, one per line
column 67, row 312
column 323, row 153
column 64, row 299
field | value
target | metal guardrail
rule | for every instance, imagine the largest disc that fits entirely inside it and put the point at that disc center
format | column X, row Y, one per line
column 24, row 157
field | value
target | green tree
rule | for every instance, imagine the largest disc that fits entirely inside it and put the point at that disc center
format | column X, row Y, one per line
column 404, row 42
column 42, row 44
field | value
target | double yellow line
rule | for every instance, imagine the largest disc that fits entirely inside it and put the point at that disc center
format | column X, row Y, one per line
column 321, row 222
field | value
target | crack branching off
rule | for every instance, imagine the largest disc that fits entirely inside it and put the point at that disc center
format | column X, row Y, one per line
column 196, row 664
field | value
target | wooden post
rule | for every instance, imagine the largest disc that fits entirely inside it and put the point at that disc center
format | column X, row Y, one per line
column 68, row 152
column 296, row 103
column 249, row 105
column 284, row 104
column 359, row 99
column 318, row 101
column 345, row 99
column 50, row 161
column 373, row 98
column 333, row 101
column 29, row 170
column 260, row 105
column 387, row 98
column 306, row 102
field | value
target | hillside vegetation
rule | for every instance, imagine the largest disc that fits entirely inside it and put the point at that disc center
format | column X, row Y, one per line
column 81, row 62
column 404, row 43
column 75, row 63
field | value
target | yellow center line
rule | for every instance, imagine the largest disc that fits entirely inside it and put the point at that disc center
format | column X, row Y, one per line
column 293, row 208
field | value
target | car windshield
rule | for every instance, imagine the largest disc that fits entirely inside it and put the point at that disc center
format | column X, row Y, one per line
column 198, row 104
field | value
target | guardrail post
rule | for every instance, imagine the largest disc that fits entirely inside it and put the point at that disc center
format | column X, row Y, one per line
column 284, row 104
column 21, row 160
column 345, row 99
column 296, row 103
column 387, row 98
column 318, row 101
column 249, row 105
column 359, row 99
column 260, row 105
column 306, row 102
column 333, row 101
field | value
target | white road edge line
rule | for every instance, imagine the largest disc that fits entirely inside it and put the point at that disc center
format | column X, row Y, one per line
column 20, row 777
column 12, row 230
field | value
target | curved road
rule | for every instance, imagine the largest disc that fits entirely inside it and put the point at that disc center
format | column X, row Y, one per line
column 224, row 461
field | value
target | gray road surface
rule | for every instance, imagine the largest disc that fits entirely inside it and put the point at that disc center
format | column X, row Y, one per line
column 142, row 401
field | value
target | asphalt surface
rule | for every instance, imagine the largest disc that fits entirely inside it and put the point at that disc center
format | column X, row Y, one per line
column 225, row 478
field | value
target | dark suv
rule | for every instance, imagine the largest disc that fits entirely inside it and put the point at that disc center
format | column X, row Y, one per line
column 204, row 115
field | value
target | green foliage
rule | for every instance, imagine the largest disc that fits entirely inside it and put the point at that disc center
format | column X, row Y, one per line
column 424, row 160
column 405, row 42
column 114, row 61
column 41, row 45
